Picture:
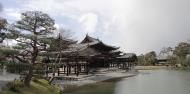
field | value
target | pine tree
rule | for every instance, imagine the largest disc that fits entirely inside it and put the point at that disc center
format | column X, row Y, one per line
column 31, row 33
column 3, row 23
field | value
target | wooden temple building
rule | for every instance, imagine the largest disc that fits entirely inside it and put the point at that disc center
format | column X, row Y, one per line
column 88, row 56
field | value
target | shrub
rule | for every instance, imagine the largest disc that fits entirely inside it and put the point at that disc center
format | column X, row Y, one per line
column 35, row 80
column 15, row 85
column 13, row 67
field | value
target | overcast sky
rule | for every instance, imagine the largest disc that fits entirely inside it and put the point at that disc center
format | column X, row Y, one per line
column 137, row 26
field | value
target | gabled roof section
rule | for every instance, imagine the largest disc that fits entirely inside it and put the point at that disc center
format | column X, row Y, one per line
column 93, row 42
column 104, row 47
column 89, row 39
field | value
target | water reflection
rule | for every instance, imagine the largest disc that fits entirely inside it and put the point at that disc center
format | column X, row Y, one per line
column 156, row 82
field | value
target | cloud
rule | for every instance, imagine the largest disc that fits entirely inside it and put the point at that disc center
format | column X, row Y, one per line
column 12, row 13
column 85, row 13
column 153, row 24
column 135, row 25
column 46, row 6
column 1, row 7
column 89, row 22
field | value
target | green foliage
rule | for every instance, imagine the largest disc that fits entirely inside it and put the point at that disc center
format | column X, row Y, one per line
column 182, row 49
column 35, row 80
column 20, row 46
column 3, row 62
column 8, row 52
column 23, row 68
column 30, row 32
column 40, row 86
column 172, row 60
column 39, row 71
column 3, row 23
column 166, row 51
column 17, row 67
column 54, row 65
column 180, row 55
column 141, row 60
column 147, row 59
column 15, row 85
column 188, row 60
column 37, row 27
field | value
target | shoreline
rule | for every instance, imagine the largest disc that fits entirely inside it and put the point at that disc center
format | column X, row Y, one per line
column 161, row 67
column 109, row 76
column 7, row 77
column 95, row 78
column 150, row 67
column 108, row 84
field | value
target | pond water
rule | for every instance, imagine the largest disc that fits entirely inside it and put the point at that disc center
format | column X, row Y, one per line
column 5, row 77
column 156, row 82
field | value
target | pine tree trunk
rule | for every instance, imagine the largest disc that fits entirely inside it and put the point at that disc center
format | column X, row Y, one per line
column 28, row 77
column 30, row 73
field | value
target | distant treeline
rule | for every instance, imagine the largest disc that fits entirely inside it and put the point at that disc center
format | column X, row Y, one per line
column 180, row 54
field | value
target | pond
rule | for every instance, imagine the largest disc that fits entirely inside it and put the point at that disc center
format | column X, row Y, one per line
column 146, row 82
column 105, row 87
column 5, row 77
column 156, row 82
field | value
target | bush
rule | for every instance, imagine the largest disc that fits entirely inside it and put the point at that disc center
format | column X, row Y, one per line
column 13, row 67
column 15, row 85
column 35, row 80
column 188, row 60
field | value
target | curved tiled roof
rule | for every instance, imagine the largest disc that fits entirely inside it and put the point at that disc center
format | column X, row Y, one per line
column 89, row 39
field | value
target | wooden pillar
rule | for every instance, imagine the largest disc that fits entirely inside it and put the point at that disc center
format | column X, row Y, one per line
column 46, row 70
column 67, row 70
column 82, row 68
column 79, row 67
column 77, row 70
column 58, row 72
column 129, row 65
column 53, row 70
column 87, row 68
column 64, row 69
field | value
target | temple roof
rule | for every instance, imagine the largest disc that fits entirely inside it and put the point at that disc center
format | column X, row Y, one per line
column 90, row 47
column 93, row 42
column 89, row 39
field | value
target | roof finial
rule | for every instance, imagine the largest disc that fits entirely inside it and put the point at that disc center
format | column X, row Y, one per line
column 59, row 36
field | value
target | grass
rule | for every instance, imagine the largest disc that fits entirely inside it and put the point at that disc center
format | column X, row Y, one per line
column 37, row 87
column 105, row 87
